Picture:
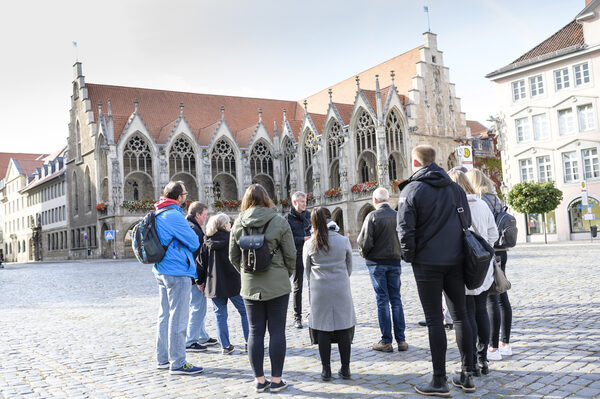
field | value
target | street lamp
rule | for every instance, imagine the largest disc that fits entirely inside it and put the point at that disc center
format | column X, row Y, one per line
column 504, row 190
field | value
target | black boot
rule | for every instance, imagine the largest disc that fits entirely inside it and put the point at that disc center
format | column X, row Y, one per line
column 437, row 387
column 484, row 367
column 326, row 373
column 345, row 372
column 465, row 382
column 476, row 371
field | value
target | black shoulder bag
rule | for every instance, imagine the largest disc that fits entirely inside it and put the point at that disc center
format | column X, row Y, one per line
column 256, row 257
column 477, row 252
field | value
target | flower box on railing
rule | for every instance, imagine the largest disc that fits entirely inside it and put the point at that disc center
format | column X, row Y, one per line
column 227, row 205
column 138, row 205
column 101, row 207
column 333, row 193
column 397, row 182
column 365, row 187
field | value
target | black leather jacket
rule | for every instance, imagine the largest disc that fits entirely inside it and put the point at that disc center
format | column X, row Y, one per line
column 378, row 239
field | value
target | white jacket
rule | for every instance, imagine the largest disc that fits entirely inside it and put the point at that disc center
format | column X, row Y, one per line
column 485, row 224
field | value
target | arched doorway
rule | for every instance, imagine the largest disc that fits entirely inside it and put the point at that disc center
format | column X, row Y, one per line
column 364, row 211
column 577, row 222
column 127, row 238
column 338, row 217
column 107, row 245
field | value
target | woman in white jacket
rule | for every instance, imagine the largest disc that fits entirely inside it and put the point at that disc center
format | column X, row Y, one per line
column 484, row 224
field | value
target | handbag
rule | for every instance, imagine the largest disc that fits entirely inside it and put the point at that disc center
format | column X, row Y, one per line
column 501, row 283
column 477, row 252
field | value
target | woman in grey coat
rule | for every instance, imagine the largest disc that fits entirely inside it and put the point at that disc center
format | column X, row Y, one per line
column 327, row 258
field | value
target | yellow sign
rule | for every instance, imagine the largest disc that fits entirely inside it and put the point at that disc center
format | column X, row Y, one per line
column 467, row 152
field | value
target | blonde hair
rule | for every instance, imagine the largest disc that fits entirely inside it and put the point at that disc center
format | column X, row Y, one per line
column 480, row 182
column 216, row 223
column 461, row 179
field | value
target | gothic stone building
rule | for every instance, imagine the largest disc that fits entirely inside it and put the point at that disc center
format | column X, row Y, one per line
column 126, row 143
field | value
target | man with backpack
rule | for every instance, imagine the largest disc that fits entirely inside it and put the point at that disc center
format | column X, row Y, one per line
column 174, row 275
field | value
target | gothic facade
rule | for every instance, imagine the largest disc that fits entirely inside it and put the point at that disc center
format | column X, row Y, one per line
column 125, row 144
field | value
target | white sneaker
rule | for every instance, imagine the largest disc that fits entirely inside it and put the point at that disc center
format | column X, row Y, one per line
column 495, row 355
column 505, row 350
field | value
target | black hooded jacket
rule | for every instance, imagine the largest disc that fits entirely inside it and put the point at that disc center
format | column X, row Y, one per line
column 429, row 228
column 214, row 268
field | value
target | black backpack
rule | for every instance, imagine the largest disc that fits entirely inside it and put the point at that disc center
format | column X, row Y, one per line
column 145, row 242
column 256, row 257
column 506, row 224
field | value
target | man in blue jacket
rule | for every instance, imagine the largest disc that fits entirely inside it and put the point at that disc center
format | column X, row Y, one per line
column 174, row 274
column 431, row 239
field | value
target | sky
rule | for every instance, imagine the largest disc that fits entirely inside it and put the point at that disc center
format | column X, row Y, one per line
column 260, row 48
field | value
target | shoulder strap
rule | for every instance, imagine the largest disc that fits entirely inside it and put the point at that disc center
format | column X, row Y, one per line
column 158, row 212
column 266, row 225
column 459, row 209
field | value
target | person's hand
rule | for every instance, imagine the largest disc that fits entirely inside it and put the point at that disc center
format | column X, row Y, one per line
column 201, row 287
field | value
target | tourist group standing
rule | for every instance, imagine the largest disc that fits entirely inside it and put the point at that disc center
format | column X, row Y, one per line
column 250, row 263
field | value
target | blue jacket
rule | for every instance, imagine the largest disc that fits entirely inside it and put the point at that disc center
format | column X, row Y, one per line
column 179, row 259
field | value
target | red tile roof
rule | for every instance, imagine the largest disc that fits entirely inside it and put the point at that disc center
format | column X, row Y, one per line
column 567, row 39
column 319, row 121
column 28, row 166
column 159, row 108
column 6, row 156
column 477, row 129
column 345, row 111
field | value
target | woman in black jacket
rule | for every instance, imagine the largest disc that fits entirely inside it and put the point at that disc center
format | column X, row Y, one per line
column 219, row 279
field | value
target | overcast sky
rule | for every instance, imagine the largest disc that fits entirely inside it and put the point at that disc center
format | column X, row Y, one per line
column 260, row 48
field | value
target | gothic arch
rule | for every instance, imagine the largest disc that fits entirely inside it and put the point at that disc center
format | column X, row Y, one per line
column 88, row 190
column 289, row 154
column 364, row 132
column 261, row 166
column 367, row 166
column 363, row 212
column 224, row 170
column 78, row 140
column 338, row 217
column 309, row 148
column 334, row 140
column 137, row 155
column 395, row 141
column 75, row 192
column 182, row 157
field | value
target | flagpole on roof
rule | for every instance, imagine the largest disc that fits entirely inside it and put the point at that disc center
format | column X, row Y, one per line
column 426, row 9
column 76, row 55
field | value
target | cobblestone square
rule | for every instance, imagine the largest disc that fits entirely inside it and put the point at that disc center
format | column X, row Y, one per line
column 87, row 329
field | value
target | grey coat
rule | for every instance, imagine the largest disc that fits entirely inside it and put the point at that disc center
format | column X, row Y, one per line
column 328, row 277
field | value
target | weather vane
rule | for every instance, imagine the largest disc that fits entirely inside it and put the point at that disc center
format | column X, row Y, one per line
column 76, row 56
column 426, row 9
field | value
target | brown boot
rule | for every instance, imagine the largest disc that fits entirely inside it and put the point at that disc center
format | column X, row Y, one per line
column 383, row 347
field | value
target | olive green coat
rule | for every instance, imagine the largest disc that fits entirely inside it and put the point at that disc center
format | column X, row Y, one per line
column 275, row 282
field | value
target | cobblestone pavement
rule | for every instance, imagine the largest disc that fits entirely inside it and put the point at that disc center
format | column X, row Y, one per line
column 86, row 329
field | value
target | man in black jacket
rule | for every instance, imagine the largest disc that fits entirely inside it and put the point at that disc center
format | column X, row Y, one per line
column 379, row 245
column 431, row 238
column 197, row 337
column 299, row 220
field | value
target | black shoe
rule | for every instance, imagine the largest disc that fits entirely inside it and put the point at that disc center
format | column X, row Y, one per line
column 211, row 342
column 464, row 382
column 437, row 387
column 195, row 347
column 484, row 367
column 476, row 373
column 278, row 386
column 344, row 372
column 326, row 373
column 298, row 323
column 449, row 326
column 262, row 387
column 229, row 350
column 423, row 323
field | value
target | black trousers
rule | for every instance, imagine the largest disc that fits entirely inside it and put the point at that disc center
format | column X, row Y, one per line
column 500, row 311
column 344, row 338
column 480, row 324
column 298, row 279
column 262, row 315
column 431, row 281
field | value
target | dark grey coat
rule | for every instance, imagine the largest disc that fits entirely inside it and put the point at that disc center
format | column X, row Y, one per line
column 328, row 276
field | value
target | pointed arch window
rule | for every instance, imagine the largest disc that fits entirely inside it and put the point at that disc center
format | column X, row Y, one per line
column 75, row 194
column 394, row 136
column 182, row 157
column 310, row 147
column 78, row 140
column 137, row 156
column 392, row 167
column 335, row 138
column 288, row 155
column 88, row 188
column 222, row 158
column 363, row 169
column 365, row 133
column 261, row 160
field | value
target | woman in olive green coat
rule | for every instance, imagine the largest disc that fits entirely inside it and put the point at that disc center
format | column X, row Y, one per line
column 266, row 294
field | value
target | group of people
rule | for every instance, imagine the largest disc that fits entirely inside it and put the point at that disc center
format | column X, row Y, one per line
column 425, row 231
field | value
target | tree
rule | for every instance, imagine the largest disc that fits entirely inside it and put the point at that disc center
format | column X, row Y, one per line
column 530, row 197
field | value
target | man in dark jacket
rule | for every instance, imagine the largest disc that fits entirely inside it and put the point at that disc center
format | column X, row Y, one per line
column 197, row 337
column 379, row 245
column 431, row 238
column 299, row 220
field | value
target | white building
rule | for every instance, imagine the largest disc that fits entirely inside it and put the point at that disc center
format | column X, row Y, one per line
column 549, row 100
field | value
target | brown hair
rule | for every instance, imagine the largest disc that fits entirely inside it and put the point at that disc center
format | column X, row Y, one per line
column 196, row 207
column 425, row 154
column 174, row 189
column 255, row 196
column 480, row 182
column 318, row 218
column 461, row 179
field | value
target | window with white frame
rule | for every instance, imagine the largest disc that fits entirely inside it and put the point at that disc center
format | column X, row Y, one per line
column 582, row 74
column 518, row 89
column 536, row 85
column 570, row 166
column 526, row 167
column 561, row 79
column 591, row 165
column 585, row 115
column 540, row 127
column 566, row 121
column 522, row 127
column 544, row 168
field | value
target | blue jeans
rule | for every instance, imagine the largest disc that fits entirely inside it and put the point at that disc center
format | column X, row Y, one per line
column 220, row 307
column 172, row 319
column 196, row 331
column 386, row 283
